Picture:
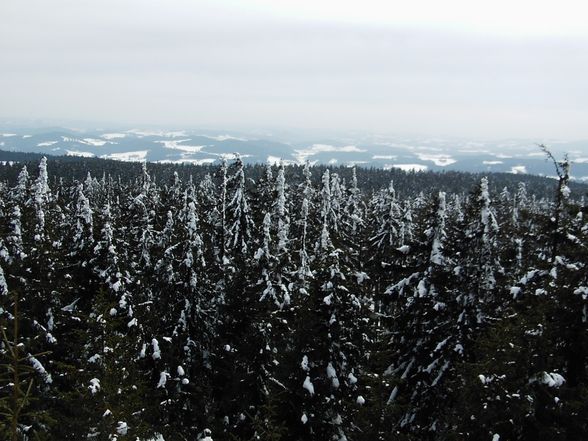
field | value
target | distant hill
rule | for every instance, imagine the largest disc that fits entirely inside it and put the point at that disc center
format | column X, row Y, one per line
column 205, row 147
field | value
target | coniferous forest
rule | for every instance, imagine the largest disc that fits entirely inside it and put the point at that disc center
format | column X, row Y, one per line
column 290, row 303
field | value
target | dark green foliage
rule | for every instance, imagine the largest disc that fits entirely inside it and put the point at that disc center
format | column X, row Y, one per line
column 291, row 303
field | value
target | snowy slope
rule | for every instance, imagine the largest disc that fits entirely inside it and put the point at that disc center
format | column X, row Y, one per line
column 197, row 147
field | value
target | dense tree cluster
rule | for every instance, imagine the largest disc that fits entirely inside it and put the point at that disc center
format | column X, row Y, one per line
column 291, row 305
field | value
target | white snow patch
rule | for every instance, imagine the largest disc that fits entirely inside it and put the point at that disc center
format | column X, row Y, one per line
column 274, row 160
column 393, row 395
column 110, row 136
column 162, row 380
column 122, row 428
column 231, row 156
column 302, row 155
column 518, row 169
column 308, row 385
column 439, row 160
column 304, row 363
column 95, row 142
column 80, row 154
column 388, row 157
column 94, row 385
column 175, row 145
column 46, row 143
column 492, row 162
column 224, row 138
column 549, row 379
column 141, row 133
column 136, row 156
column 515, row 291
column 40, row 369
column 156, row 351
column 354, row 163
column 352, row 378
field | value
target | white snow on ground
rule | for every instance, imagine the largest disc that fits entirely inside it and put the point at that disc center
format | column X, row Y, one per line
column 580, row 160
column 87, row 141
column 388, row 157
column 302, row 155
column 137, row 156
column 187, row 161
column 110, row 136
column 141, row 133
column 439, row 160
column 274, row 160
column 80, row 154
column 492, row 162
column 230, row 156
column 174, row 145
column 518, row 169
column 354, row 163
column 332, row 161
column 46, row 143
column 406, row 167
column 95, row 142
column 7, row 135
column 26, row 136
column 224, row 138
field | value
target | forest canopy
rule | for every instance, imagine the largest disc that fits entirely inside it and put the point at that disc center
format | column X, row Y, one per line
column 287, row 303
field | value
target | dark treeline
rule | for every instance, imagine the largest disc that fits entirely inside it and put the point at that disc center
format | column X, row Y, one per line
column 290, row 303
column 408, row 184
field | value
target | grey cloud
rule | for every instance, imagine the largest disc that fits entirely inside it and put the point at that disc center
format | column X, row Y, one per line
column 132, row 63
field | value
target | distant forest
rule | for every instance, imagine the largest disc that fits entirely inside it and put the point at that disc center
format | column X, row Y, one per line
column 231, row 302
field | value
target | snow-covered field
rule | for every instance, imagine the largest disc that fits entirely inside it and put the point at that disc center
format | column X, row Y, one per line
column 412, row 154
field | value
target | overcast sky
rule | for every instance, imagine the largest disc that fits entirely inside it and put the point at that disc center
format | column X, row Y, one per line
column 452, row 67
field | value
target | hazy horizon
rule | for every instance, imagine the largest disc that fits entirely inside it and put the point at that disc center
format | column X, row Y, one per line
column 504, row 71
